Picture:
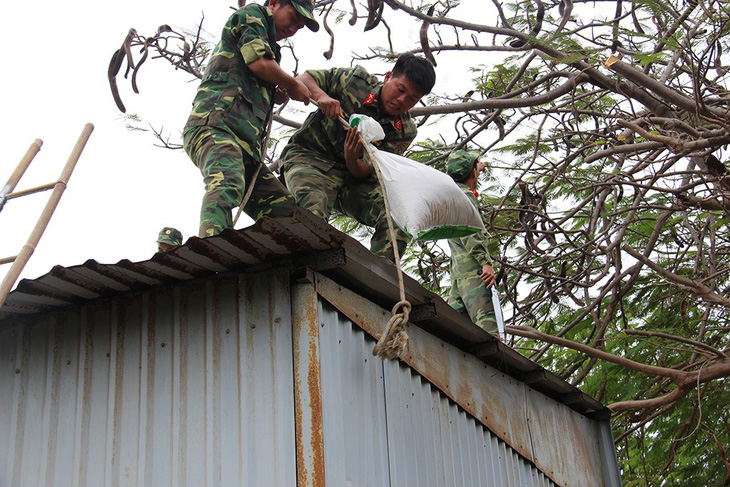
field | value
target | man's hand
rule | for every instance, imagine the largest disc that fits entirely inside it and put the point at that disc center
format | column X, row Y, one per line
column 353, row 154
column 487, row 275
column 280, row 96
column 330, row 107
column 298, row 91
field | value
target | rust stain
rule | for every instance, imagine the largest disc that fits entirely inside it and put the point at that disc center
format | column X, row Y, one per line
column 315, row 394
column 298, row 422
column 308, row 396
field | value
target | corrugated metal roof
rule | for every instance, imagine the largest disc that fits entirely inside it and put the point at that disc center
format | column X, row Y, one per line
column 303, row 241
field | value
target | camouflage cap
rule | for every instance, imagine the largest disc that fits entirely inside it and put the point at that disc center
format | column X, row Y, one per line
column 170, row 236
column 460, row 164
column 306, row 9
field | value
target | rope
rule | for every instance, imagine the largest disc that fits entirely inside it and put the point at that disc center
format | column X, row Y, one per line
column 255, row 174
column 394, row 339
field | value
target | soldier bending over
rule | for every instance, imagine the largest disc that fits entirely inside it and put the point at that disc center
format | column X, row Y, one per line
column 322, row 163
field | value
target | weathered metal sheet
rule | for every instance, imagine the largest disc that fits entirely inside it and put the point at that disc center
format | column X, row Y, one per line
column 384, row 424
column 527, row 421
column 188, row 386
column 353, row 405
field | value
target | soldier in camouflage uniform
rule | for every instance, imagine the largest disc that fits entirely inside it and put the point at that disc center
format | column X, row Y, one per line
column 168, row 239
column 225, row 132
column 323, row 164
column 472, row 275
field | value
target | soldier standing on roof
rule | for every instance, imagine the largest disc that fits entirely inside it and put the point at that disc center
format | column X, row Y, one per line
column 322, row 163
column 472, row 275
column 226, row 131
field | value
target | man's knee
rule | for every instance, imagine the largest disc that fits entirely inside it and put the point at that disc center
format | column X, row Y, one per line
column 307, row 192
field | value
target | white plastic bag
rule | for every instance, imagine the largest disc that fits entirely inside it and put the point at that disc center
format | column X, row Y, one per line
column 370, row 129
column 424, row 202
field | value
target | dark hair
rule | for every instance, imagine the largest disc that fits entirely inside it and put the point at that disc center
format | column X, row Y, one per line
column 418, row 70
column 282, row 3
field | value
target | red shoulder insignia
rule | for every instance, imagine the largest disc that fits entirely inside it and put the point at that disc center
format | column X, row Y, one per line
column 370, row 99
column 397, row 123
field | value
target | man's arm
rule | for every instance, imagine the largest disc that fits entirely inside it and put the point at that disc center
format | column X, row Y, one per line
column 269, row 70
column 329, row 106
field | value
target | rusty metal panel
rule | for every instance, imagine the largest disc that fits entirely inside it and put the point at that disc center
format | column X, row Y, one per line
column 183, row 386
column 307, row 387
column 353, row 405
column 433, row 442
column 506, row 408
column 384, row 424
column 579, row 440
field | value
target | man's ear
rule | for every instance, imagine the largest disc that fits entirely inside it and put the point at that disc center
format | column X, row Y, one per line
column 273, row 4
column 388, row 75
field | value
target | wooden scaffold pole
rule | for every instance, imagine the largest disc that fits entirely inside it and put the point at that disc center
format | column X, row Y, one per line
column 58, row 188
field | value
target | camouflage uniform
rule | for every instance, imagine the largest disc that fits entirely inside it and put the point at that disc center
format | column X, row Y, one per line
column 313, row 162
column 225, row 132
column 469, row 295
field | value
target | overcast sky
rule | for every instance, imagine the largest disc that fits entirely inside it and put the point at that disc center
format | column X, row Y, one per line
column 124, row 190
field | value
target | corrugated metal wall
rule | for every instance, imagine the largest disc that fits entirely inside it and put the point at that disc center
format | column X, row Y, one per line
column 194, row 385
column 189, row 386
column 385, row 425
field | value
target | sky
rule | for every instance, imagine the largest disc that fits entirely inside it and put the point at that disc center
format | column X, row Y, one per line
column 124, row 189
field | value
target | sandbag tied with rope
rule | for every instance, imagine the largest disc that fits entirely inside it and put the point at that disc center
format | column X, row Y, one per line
column 426, row 204
column 394, row 339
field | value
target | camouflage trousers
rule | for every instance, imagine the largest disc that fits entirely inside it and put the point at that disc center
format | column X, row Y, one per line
column 470, row 296
column 227, row 170
column 321, row 192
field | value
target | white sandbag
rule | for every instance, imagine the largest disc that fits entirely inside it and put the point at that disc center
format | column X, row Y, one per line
column 424, row 202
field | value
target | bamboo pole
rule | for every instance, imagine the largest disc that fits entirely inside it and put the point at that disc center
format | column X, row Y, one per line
column 26, row 192
column 8, row 260
column 19, row 171
column 53, row 199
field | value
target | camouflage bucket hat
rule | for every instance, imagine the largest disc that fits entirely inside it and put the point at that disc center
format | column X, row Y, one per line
column 170, row 236
column 306, row 9
column 460, row 164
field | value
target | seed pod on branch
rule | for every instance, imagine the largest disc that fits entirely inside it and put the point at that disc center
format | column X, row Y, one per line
column 424, row 38
column 535, row 28
column 375, row 13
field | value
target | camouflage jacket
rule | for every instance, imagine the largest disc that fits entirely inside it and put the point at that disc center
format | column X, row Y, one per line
column 230, row 96
column 470, row 253
column 322, row 138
